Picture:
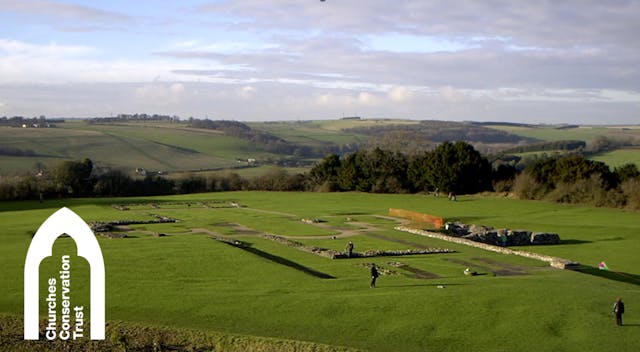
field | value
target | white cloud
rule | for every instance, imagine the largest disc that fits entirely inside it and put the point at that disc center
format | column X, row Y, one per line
column 247, row 92
column 23, row 50
column 159, row 94
column 365, row 98
column 293, row 58
column 400, row 94
column 66, row 16
column 452, row 94
column 53, row 63
column 341, row 100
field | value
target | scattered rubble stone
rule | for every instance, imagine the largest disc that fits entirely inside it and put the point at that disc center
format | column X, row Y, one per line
column 500, row 237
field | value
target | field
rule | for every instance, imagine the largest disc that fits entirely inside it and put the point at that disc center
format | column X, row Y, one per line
column 584, row 133
column 176, row 149
column 153, row 146
column 620, row 157
column 189, row 280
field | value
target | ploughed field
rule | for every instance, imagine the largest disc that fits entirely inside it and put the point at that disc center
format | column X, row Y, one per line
column 246, row 265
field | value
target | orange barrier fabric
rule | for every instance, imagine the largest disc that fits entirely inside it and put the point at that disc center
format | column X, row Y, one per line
column 436, row 221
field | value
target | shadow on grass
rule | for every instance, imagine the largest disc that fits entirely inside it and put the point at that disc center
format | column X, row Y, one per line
column 611, row 275
column 574, row 242
column 612, row 239
column 280, row 260
column 425, row 285
column 350, row 213
column 463, row 219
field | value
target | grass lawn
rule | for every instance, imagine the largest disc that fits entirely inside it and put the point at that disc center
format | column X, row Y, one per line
column 620, row 157
column 189, row 280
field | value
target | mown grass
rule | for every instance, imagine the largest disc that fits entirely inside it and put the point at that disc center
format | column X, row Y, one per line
column 190, row 281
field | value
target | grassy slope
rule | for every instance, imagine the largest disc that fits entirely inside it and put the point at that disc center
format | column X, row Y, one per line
column 170, row 147
column 584, row 133
column 620, row 157
column 319, row 132
column 587, row 134
column 162, row 145
column 188, row 280
column 151, row 146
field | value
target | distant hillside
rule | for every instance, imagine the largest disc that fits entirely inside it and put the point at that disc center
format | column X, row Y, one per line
column 441, row 131
column 167, row 144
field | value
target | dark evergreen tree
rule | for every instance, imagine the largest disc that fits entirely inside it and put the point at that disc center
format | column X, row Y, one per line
column 325, row 173
column 452, row 167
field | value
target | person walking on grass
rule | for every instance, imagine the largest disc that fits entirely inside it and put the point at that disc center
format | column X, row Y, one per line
column 374, row 275
column 618, row 310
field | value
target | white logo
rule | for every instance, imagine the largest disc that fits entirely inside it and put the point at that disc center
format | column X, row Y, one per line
column 63, row 221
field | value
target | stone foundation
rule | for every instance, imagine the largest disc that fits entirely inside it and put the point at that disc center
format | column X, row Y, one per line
column 555, row 262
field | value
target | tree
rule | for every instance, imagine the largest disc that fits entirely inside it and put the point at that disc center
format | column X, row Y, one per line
column 349, row 173
column 325, row 173
column 573, row 168
column 452, row 167
column 626, row 172
column 191, row 184
column 114, row 183
column 74, row 177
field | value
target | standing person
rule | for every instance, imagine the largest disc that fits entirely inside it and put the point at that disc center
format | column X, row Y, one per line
column 374, row 275
column 618, row 310
column 349, row 249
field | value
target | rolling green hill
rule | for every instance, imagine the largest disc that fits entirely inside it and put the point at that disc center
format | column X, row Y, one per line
column 152, row 146
column 175, row 147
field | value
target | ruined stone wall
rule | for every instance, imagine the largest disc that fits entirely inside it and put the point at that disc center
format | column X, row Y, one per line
column 555, row 262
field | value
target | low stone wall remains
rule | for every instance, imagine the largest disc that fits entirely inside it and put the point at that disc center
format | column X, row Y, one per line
column 106, row 226
column 333, row 254
column 555, row 262
column 504, row 237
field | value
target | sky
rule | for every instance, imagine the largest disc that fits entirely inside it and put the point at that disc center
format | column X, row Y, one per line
column 547, row 61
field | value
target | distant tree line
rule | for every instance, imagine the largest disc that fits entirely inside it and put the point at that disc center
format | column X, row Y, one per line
column 80, row 179
column 568, row 145
column 267, row 141
column 77, row 179
column 132, row 117
column 450, row 168
column 11, row 151
column 604, row 144
column 575, row 179
column 20, row 121
column 442, row 131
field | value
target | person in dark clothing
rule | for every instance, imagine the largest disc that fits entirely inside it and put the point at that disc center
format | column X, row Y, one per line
column 349, row 249
column 618, row 310
column 374, row 275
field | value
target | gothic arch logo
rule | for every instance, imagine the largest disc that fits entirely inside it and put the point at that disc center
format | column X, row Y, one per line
column 63, row 221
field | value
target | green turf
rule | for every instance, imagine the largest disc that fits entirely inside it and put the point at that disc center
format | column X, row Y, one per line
column 189, row 280
column 149, row 146
column 584, row 133
column 620, row 157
